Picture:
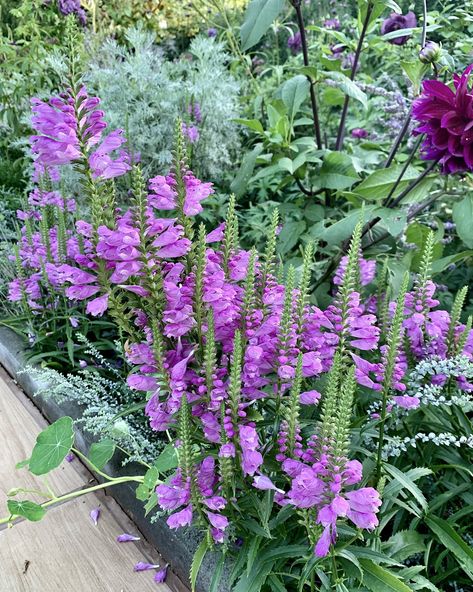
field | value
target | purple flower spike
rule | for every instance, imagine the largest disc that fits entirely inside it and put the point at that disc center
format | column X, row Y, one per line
column 126, row 538
column 265, row 484
column 95, row 515
column 161, row 575
column 396, row 22
column 142, row 566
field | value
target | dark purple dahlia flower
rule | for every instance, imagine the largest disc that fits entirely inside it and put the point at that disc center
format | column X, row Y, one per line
column 446, row 118
column 396, row 22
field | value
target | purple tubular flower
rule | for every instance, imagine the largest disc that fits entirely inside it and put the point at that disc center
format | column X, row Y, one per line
column 127, row 538
column 143, row 566
column 265, row 484
column 161, row 575
column 294, row 43
column 182, row 518
column 359, row 133
column 397, row 22
column 332, row 24
column 309, row 397
column 95, row 515
column 446, row 118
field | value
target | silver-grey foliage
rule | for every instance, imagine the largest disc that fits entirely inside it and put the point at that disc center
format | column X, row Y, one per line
column 144, row 93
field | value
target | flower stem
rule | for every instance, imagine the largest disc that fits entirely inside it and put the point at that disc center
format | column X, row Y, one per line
column 78, row 493
column 305, row 55
column 341, row 128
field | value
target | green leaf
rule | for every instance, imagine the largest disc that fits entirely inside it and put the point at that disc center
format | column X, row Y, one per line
column 197, row 562
column 337, row 171
column 463, row 217
column 289, row 235
column 293, row 93
column 406, row 483
column 52, row 445
column 259, row 16
column 462, row 552
column 240, row 182
column 167, row 460
column 442, row 264
column 393, row 220
column 378, row 185
column 254, row 124
column 404, row 544
column 214, row 584
column 378, row 579
column 101, row 452
column 29, row 510
column 341, row 230
column 415, row 71
column 348, row 87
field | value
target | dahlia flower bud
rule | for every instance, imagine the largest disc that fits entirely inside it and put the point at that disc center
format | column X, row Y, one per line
column 430, row 53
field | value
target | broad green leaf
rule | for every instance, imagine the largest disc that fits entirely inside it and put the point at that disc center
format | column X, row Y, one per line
column 442, row 264
column 463, row 217
column 348, row 87
column 462, row 552
column 289, row 235
column 294, row 92
column 378, row 579
column 101, row 452
column 197, row 562
column 336, row 233
column 393, row 220
column 337, row 171
column 259, row 16
column 378, row 185
column 254, row 124
column 52, row 445
column 406, row 483
column 29, row 510
column 240, row 182
column 415, row 71
column 167, row 460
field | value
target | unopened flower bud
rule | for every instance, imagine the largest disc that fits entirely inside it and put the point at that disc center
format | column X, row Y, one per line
column 430, row 53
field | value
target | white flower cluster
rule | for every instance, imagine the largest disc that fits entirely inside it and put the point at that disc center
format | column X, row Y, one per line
column 396, row 444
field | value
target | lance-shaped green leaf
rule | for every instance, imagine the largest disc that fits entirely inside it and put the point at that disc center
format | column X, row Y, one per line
column 293, row 93
column 52, row 445
column 259, row 16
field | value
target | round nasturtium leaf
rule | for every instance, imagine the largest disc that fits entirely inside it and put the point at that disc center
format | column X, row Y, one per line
column 52, row 445
column 27, row 509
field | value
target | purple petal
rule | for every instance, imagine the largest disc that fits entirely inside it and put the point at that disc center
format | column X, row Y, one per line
column 161, row 575
column 126, row 538
column 142, row 566
column 70, row 457
column 95, row 515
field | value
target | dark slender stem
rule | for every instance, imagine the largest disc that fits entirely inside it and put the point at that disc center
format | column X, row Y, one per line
column 305, row 56
column 423, row 206
column 304, row 190
column 424, row 24
column 341, row 128
column 403, row 170
column 414, row 184
column 399, row 139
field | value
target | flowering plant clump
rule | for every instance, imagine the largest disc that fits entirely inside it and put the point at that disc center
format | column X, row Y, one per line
column 254, row 383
